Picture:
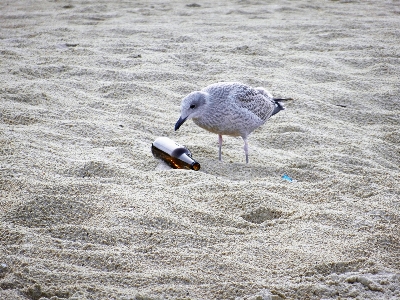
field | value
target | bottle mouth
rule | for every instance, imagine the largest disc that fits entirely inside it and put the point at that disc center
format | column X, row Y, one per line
column 196, row 166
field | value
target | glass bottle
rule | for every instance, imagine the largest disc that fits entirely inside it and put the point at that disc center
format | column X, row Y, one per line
column 175, row 155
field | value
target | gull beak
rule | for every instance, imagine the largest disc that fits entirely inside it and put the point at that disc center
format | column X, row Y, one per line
column 179, row 123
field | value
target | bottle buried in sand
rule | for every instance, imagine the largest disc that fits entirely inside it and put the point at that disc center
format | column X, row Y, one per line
column 175, row 155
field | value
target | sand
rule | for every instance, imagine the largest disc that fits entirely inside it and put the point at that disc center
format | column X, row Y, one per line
column 86, row 212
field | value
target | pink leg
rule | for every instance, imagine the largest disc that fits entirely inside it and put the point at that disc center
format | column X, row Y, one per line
column 246, row 150
column 220, row 146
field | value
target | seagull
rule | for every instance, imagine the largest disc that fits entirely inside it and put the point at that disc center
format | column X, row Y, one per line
column 230, row 108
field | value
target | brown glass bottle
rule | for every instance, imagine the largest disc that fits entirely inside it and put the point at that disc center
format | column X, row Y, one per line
column 175, row 155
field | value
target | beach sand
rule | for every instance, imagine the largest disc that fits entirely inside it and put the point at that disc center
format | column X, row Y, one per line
column 86, row 212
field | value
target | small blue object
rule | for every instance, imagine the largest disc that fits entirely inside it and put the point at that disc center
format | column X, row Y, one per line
column 286, row 177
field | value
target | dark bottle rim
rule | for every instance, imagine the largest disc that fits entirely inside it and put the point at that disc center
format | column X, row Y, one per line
column 196, row 166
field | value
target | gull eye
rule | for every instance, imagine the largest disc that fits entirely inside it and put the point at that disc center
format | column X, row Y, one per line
column 192, row 106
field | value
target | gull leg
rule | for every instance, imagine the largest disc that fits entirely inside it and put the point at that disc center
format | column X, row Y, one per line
column 246, row 149
column 220, row 146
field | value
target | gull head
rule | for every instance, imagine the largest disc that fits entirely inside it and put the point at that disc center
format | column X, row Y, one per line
column 192, row 106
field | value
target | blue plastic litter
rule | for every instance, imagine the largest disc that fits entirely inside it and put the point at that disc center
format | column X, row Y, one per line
column 287, row 177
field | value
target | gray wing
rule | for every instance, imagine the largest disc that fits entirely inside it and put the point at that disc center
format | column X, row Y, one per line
column 255, row 100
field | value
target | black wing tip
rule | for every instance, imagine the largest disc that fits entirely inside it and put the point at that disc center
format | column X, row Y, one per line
column 282, row 99
column 278, row 106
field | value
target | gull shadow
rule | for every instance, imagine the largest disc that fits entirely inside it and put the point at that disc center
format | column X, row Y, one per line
column 237, row 171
